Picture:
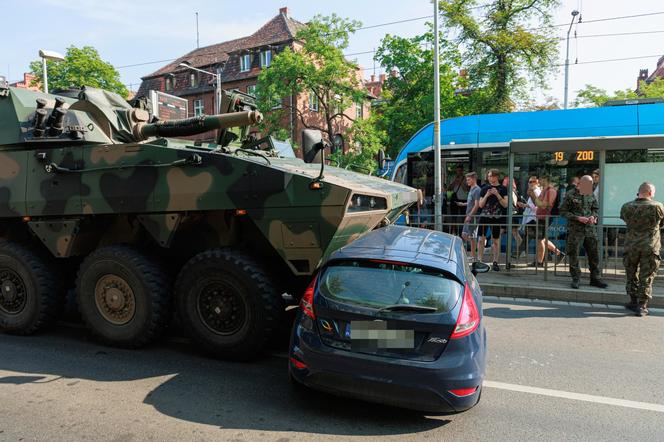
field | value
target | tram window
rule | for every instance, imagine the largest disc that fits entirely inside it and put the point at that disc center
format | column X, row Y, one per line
column 490, row 159
column 560, row 166
column 651, row 155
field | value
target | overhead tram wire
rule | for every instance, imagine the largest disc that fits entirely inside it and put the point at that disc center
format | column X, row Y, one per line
column 623, row 17
column 597, row 20
column 607, row 60
column 407, row 20
column 616, row 34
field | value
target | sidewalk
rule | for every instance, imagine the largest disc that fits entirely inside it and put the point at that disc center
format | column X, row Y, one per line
column 519, row 285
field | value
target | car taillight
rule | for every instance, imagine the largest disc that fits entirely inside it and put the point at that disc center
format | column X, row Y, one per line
column 298, row 364
column 462, row 392
column 307, row 302
column 469, row 317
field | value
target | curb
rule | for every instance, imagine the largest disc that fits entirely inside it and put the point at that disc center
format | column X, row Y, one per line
column 590, row 296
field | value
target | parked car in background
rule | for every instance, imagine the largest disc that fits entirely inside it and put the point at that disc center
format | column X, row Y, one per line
column 396, row 318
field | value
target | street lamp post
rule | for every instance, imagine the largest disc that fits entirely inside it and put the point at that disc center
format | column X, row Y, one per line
column 217, row 79
column 574, row 14
column 48, row 55
column 437, row 179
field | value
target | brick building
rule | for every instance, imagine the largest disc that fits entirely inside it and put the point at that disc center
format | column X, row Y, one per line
column 239, row 62
column 649, row 78
column 26, row 83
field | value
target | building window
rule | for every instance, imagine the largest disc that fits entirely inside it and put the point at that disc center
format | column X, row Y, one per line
column 277, row 104
column 168, row 84
column 266, row 58
column 359, row 111
column 193, row 79
column 245, row 62
column 313, row 101
column 199, row 109
column 251, row 89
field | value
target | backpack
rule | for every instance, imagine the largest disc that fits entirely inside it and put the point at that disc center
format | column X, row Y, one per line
column 555, row 209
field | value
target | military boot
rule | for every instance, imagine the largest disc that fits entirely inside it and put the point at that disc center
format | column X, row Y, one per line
column 642, row 309
column 598, row 283
column 632, row 305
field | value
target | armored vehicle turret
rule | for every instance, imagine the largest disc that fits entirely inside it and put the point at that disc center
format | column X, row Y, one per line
column 96, row 196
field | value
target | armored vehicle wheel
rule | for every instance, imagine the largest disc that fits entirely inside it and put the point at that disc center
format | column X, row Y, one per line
column 123, row 296
column 30, row 295
column 227, row 303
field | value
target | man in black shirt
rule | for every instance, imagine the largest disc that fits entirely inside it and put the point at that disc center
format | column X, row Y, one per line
column 493, row 202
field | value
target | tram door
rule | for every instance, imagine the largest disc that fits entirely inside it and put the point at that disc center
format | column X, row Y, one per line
column 455, row 164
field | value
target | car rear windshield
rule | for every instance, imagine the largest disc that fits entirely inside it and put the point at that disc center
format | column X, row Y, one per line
column 381, row 284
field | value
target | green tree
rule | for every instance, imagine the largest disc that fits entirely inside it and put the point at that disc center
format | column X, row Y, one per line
column 591, row 96
column 367, row 140
column 81, row 67
column 507, row 45
column 318, row 69
column 406, row 102
column 550, row 103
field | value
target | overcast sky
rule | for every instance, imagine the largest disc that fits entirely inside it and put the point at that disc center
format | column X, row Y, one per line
column 131, row 32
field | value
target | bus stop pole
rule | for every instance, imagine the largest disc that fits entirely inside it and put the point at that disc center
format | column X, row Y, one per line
column 510, row 209
column 600, row 222
column 438, row 216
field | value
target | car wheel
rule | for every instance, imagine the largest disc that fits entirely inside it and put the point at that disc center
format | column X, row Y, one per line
column 30, row 293
column 227, row 303
column 123, row 296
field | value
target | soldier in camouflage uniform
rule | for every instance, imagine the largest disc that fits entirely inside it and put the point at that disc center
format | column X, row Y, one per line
column 580, row 207
column 644, row 218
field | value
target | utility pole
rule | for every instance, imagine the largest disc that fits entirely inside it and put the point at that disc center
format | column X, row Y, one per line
column 437, row 180
column 574, row 14
column 197, row 40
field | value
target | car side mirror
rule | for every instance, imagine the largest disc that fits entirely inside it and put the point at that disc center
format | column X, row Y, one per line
column 312, row 145
column 479, row 267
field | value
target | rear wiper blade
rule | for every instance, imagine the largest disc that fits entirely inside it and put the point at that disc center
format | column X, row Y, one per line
column 408, row 307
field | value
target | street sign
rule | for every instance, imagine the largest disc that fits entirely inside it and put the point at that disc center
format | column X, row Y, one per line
column 168, row 107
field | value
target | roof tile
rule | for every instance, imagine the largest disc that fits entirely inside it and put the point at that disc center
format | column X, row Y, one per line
column 278, row 30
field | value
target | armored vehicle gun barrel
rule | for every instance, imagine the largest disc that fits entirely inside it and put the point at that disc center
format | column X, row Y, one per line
column 196, row 125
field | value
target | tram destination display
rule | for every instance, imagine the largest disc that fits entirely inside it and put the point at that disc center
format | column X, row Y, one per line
column 579, row 155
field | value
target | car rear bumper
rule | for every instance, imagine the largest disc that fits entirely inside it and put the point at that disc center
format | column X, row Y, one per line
column 423, row 386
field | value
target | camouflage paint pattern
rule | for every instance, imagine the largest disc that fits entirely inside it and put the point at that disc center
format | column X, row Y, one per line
column 644, row 219
column 579, row 234
column 97, row 183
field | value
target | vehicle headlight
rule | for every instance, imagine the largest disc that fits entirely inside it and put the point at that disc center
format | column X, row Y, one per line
column 363, row 203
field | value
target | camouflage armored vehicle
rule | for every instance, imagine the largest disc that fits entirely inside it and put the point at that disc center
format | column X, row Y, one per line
column 95, row 196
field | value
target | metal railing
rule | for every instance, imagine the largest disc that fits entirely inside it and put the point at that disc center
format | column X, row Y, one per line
column 518, row 244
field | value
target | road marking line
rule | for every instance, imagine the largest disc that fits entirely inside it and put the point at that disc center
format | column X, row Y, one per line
column 576, row 396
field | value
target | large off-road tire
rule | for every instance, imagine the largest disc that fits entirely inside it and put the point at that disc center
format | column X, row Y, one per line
column 30, row 292
column 123, row 296
column 227, row 303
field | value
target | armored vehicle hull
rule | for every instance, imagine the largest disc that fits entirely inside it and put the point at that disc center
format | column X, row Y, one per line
column 92, row 197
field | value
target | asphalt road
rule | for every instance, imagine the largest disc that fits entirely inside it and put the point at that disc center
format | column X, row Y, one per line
column 555, row 373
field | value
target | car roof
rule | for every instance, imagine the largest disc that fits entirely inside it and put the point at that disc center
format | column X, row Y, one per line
column 410, row 245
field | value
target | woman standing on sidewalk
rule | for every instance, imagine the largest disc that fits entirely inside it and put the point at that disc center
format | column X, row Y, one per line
column 545, row 203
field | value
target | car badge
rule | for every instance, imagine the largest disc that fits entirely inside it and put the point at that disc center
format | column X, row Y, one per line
column 437, row 340
column 347, row 332
column 326, row 325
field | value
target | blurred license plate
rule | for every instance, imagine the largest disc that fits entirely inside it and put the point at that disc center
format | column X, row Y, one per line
column 376, row 334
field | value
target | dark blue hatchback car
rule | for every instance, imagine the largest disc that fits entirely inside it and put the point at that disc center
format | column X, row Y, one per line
column 395, row 317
